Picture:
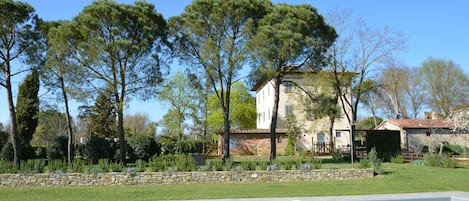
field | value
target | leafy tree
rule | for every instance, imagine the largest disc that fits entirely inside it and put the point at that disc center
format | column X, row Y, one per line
column 102, row 116
column 293, row 130
column 139, row 124
column 243, row 109
column 27, row 107
column 180, row 94
column 61, row 75
column 446, row 84
column 321, row 100
column 369, row 123
column 359, row 49
column 144, row 147
column 51, row 123
column 120, row 47
column 289, row 38
column 16, row 24
column 211, row 36
column 58, row 148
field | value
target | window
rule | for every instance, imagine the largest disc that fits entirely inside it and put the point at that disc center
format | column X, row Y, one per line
column 338, row 134
column 268, row 113
column 288, row 87
column 288, row 110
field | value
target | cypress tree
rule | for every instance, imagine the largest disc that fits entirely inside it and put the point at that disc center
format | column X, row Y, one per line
column 27, row 105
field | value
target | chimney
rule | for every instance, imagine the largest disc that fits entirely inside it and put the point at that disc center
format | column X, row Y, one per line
column 434, row 115
column 427, row 115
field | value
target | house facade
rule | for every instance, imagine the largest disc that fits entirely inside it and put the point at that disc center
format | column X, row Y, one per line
column 315, row 133
column 429, row 132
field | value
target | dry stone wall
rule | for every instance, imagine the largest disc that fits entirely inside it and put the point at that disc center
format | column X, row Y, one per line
column 160, row 178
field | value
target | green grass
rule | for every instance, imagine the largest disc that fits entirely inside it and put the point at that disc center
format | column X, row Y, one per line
column 399, row 178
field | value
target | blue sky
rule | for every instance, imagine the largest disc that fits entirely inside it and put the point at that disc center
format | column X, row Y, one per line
column 435, row 28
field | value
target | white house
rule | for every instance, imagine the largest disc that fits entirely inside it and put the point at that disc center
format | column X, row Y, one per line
column 315, row 134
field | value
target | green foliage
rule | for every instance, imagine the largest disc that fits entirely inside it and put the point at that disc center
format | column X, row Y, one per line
column 242, row 109
column 178, row 162
column 33, row 166
column 78, row 166
column 117, row 167
column 444, row 161
column 51, row 123
column 27, row 107
column 399, row 159
column 140, row 165
column 58, row 148
column 368, row 123
column 144, row 147
column 104, row 164
column 3, row 138
column 375, row 161
column 98, row 148
column 440, row 76
column 364, row 163
column 293, row 130
column 7, row 152
column 57, row 166
column 248, row 165
column 171, row 145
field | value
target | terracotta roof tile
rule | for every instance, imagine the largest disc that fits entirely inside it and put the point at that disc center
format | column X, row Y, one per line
column 253, row 131
column 420, row 123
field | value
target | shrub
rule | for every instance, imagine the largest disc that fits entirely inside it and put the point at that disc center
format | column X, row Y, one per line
column 7, row 152
column 248, row 165
column 143, row 147
column 445, row 161
column 190, row 146
column 7, row 167
column 58, row 150
column 375, row 161
column 365, row 163
column 117, row 167
column 33, row 166
column 98, row 148
column 140, row 165
column 104, row 164
column 399, row 159
column 57, row 166
column 78, row 166
column 28, row 152
column 40, row 151
column 317, row 163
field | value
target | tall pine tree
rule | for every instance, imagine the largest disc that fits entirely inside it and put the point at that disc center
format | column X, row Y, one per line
column 27, row 107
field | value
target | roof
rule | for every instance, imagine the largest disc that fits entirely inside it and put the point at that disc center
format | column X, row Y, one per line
column 418, row 123
column 254, row 131
column 264, row 79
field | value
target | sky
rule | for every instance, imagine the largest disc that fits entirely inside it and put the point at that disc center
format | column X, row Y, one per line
column 432, row 28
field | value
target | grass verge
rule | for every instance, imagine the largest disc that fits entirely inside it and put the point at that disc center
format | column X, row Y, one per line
column 399, row 178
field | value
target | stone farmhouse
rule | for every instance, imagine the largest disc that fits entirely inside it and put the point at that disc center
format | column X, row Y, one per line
column 315, row 133
column 429, row 132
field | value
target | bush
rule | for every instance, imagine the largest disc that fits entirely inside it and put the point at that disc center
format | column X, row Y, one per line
column 40, row 151
column 189, row 146
column 375, row 161
column 248, row 165
column 98, row 148
column 399, row 159
column 58, row 148
column 364, row 163
column 144, row 147
column 28, row 152
column 117, row 167
column 57, row 166
column 317, row 163
column 33, row 166
column 7, row 152
column 104, row 164
column 445, row 161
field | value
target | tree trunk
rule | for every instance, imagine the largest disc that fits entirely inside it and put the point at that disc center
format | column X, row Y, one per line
column 13, row 128
column 120, row 130
column 331, row 135
column 69, row 122
column 273, row 123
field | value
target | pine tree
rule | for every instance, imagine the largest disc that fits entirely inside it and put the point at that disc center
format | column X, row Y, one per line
column 27, row 105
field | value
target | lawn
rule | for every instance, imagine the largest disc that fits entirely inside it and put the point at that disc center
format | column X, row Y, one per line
column 400, row 178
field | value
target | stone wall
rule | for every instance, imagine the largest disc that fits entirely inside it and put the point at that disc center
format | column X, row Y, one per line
column 159, row 178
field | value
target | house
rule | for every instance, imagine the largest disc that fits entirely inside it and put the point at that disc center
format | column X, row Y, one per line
column 428, row 132
column 315, row 133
